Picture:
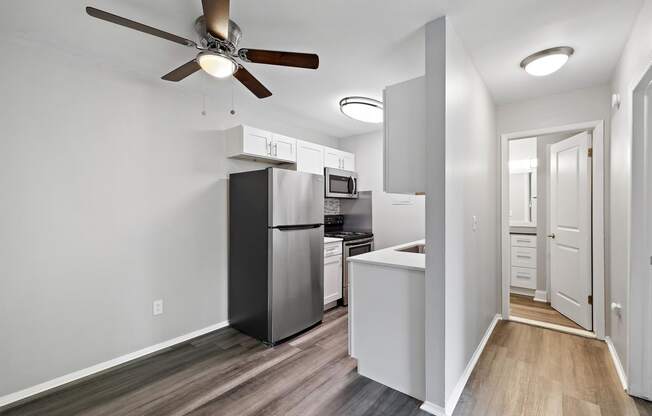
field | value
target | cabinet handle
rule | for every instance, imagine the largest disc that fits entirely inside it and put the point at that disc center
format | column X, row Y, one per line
column 275, row 149
column 269, row 148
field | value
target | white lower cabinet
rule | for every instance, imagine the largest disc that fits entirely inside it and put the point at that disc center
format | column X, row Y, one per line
column 332, row 271
column 524, row 261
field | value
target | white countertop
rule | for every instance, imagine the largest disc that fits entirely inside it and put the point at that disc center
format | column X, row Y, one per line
column 393, row 258
column 331, row 240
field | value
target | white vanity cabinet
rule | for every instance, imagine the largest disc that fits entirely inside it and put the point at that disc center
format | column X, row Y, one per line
column 248, row 142
column 523, row 261
column 404, row 141
column 332, row 271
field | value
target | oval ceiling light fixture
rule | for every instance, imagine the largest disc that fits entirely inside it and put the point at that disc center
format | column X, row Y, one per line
column 362, row 109
column 547, row 61
column 216, row 65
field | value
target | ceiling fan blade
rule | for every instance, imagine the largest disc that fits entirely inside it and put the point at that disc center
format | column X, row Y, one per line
column 216, row 13
column 251, row 83
column 183, row 71
column 109, row 17
column 295, row 59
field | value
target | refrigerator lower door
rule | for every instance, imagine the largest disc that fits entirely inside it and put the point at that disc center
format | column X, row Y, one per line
column 297, row 279
column 295, row 198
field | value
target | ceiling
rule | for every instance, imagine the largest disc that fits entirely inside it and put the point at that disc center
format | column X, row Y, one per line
column 363, row 45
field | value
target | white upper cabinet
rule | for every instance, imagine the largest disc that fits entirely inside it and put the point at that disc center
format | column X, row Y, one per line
column 405, row 137
column 310, row 157
column 246, row 142
column 284, row 148
column 252, row 143
column 338, row 159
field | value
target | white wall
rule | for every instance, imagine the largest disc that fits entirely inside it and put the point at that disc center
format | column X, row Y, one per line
column 636, row 58
column 392, row 224
column 462, row 265
column 113, row 194
column 576, row 106
column 472, row 256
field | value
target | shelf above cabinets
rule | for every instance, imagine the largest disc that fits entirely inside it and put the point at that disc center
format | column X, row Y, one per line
column 251, row 143
column 246, row 142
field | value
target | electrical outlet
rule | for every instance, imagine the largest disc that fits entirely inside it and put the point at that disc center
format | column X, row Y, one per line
column 157, row 307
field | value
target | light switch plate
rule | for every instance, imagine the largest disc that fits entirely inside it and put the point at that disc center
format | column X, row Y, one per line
column 475, row 223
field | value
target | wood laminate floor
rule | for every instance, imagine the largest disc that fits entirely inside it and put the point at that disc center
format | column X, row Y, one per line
column 228, row 373
column 527, row 370
column 524, row 370
column 526, row 307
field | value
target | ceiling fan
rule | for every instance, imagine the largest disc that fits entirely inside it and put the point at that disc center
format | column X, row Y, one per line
column 218, row 48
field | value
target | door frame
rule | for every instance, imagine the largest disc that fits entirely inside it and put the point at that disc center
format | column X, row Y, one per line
column 596, row 128
column 639, row 245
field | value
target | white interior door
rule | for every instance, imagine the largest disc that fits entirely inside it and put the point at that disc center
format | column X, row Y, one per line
column 570, row 228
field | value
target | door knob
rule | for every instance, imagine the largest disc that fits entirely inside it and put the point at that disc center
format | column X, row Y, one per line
column 551, row 235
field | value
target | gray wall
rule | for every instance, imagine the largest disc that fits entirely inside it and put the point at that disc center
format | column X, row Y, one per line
column 368, row 150
column 472, row 257
column 635, row 59
column 113, row 194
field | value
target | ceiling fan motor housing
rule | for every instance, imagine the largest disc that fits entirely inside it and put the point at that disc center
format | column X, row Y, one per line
column 211, row 42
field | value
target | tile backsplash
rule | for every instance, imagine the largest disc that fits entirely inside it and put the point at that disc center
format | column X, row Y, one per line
column 331, row 206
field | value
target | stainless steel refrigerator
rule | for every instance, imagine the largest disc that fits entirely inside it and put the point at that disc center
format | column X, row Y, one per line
column 276, row 252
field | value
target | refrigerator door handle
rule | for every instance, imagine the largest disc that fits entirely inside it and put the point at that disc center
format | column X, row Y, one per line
column 297, row 227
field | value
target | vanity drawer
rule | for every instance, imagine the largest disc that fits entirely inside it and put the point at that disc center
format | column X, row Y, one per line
column 524, row 257
column 524, row 277
column 523, row 240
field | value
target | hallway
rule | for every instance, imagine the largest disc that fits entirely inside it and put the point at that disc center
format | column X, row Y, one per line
column 526, row 370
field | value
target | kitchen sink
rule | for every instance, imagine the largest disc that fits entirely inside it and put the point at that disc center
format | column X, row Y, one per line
column 417, row 248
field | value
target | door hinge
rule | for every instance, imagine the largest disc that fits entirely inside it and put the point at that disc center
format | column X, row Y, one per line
column 590, row 152
column 590, row 299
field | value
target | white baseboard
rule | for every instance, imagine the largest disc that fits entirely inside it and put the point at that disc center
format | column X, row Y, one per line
column 60, row 381
column 452, row 400
column 521, row 291
column 541, row 296
column 616, row 359
column 433, row 409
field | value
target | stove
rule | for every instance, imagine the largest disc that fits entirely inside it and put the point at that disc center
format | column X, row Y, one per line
column 334, row 227
column 349, row 235
column 355, row 243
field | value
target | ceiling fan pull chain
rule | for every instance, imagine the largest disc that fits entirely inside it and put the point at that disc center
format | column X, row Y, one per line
column 203, row 111
column 232, row 99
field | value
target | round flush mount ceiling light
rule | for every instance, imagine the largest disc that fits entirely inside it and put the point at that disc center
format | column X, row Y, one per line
column 363, row 109
column 216, row 65
column 547, row 61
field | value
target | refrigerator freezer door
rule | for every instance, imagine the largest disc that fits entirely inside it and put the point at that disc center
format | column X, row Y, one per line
column 296, row 198
column 297, row 279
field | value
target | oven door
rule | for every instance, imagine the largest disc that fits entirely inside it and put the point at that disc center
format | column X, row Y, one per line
column 353, row 248
column 340, row 183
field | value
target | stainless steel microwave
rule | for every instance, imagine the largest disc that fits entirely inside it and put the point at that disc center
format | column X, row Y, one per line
column 340, row 183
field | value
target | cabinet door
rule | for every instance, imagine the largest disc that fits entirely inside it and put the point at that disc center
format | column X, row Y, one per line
column 332, row 158
column 256, row 142
column 348, row 161
column 310, row 157
column 332, row 278
column 404, row 143
column 284, row 148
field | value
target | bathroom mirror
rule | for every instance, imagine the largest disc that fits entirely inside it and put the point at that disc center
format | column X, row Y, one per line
column 522, row 198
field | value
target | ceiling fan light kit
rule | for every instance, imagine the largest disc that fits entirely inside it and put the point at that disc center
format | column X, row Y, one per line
column 218, row 47
column 216, row 65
